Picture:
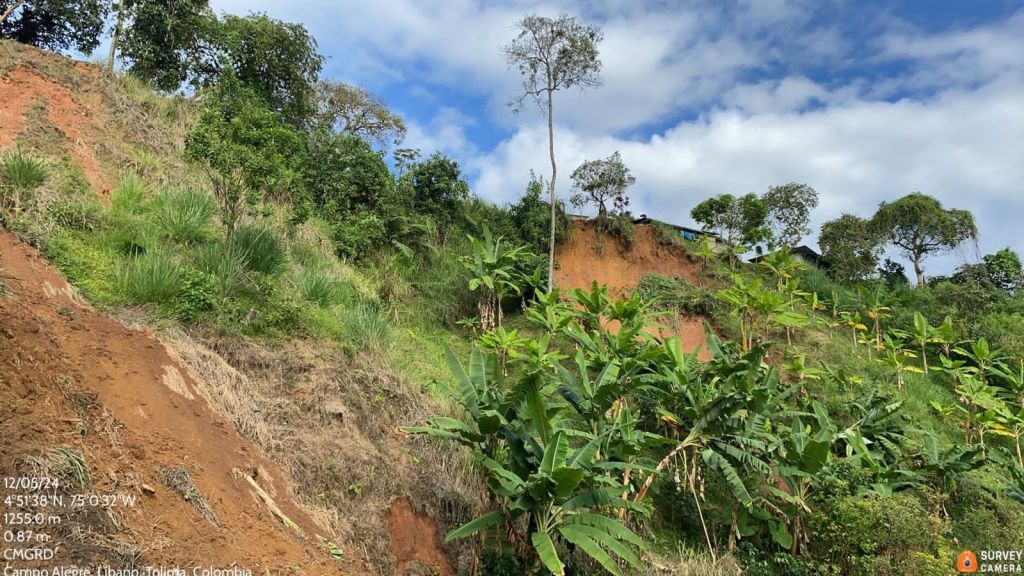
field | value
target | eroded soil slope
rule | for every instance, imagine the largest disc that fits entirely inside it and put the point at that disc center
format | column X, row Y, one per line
column 76, row 386
column 587, row 257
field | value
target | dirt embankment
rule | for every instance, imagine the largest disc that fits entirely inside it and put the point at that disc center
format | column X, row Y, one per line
column 76, row 385
column 588, row 256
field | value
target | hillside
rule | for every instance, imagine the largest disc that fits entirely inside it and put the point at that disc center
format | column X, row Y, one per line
column 302, row 418
column 249, row 341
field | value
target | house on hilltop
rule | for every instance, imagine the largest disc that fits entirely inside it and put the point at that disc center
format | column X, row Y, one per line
column 803, row 253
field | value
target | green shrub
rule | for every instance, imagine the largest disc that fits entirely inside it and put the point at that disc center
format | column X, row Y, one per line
column 618, row 226
column 878, row 536
column 197, row 295
column 184, row 215
column 129, row 197
column 667, row 235
column 84, row 213
column 152, row 277
column 225, row 263
column 981, row 522
column 263, row 251
column 359, row 234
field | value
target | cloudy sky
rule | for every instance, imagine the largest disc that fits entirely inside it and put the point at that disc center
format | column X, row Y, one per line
column 863, row 100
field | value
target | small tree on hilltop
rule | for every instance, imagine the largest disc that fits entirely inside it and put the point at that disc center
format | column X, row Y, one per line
column 789, row 211
column 598, row 182
column 850, row 248
column 919, row 226
column 553, row 54
column 735, row 219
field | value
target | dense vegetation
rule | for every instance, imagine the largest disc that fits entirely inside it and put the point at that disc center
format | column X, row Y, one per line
column 846, row 423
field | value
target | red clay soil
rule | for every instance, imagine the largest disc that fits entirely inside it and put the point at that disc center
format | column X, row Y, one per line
column 21, row 87
column 579, row 263
column 73, row 377
column 416, row 543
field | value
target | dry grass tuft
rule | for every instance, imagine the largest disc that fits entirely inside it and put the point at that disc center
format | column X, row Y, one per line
column 179, row 480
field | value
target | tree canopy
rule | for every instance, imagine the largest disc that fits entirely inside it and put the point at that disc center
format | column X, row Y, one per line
column 850, row 247
column 919, row 226
column 599, row 182
column 55, row 24
column 789, row 211
column 735, row 219
column 163, row 41
column 279, row 60
column 356, row 110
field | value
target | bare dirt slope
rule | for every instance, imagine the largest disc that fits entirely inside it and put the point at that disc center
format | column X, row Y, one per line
column 75, row 381
column 587, row 257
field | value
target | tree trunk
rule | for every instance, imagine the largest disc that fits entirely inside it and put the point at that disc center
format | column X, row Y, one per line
column 10, row 10
column 116, row 36
column 918, row 270
column 551, row 187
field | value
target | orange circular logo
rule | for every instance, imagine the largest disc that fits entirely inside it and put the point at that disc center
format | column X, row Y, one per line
column 966, row 562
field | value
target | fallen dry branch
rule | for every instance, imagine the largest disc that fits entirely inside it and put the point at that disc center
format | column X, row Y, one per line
column 271, row 505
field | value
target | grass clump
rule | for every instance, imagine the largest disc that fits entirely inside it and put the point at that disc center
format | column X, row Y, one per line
column 152, row 277
column 321, row 289
column 364, row 326
column 225, row 263
column 184, row 216
column 262, row 250
column 21, row 174
column 129, row 197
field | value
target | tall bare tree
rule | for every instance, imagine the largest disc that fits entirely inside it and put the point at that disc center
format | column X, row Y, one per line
column 553, row 54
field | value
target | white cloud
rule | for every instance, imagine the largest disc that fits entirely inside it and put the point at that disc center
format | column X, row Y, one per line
column 961, row 147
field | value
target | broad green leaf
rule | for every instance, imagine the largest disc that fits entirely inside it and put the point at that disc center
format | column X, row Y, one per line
column 581, row 539
column 468, row 391
column 545, row 548
column 472, row 527
column 609, row 525
column 780, row 533
column 554, row 453
column 566, row 480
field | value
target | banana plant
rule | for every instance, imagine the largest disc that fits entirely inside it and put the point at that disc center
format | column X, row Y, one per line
column 804, row 451
column 492, row 265
column 947, row 466
column 982, row 359
column 946, row 335
column 546, row 478
column 877, row 305
column 854, row 322
column 924, row 334
column 505, row 343
column 895, row 356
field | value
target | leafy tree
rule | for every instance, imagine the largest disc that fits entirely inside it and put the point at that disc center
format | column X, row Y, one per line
column 1004, row 269
column 601, row 181
column 789, row 211
column 278, row 60
column 553, row 54
column 164, row 41
column 439, row 188
column 736, row 220
column 405, row 157
column 893, row 274
column 921, row 227
column 249, row 152
column 850, row 248
column 355, row 110
column 531, row 217
column 54, row 24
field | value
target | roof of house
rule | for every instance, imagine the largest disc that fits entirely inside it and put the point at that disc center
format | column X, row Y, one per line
column 802, row 250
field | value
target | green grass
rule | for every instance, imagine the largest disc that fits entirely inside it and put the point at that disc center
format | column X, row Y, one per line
column 152, row 277
column 225, row 263
column 184, row 215
column 130, row 195
column 23, row 171
column 262, row 249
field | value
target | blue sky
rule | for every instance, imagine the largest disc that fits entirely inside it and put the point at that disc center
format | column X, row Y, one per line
column 865, row 101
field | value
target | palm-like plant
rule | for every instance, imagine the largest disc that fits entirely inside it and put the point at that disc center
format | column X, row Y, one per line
column 924, row 334
column 494, row 275
column 895, row 356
